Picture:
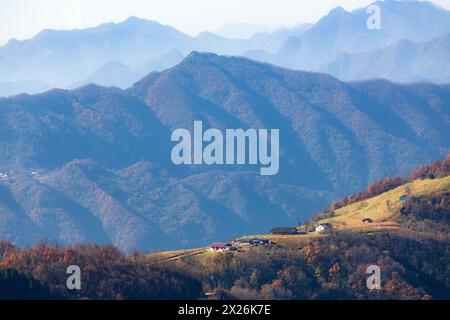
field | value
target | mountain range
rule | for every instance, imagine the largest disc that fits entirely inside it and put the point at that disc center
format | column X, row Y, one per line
column 404, row 61
column 93, row 164
column 66, row 58
column 116, row 74
column 118, row 54
column 342, row 31
column 242, row 30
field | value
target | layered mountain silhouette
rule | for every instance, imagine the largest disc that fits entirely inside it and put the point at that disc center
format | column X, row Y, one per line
column 116, row 74
column 64, row 58
column 61, row 58
column 346, row 32
column 93, row 164
column 112, row 74
column 403, row 61
column 241, row 30
column 103, row 54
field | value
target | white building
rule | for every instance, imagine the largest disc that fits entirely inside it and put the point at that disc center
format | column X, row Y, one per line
column 324, row 227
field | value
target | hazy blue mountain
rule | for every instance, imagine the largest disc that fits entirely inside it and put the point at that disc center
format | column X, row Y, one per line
column 211, row 42
column 263, row 41
column 62, row 58
column 270, row 42
column 158, row 63
column 119, row 75
column 342, row 31
column 10, row 88
column 93, row 164
column 112, row 74
column 403, row 61
column 241, row 30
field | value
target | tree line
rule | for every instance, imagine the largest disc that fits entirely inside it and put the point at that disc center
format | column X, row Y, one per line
column 39, row 272
column 439, row 169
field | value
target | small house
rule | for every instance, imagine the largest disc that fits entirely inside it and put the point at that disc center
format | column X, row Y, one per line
column 284, row 231
column 324, row 227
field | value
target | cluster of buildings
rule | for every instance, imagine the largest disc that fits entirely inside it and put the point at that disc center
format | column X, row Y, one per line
column 254, row 242
column 222, row 246
column 320, row 228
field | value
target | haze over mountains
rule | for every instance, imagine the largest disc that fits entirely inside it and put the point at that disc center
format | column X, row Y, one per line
column 64, row 59
column 93, row 164
column 116, row 74
column 242, row 30
column 346, row 32
column 403, row 61
column 119, row 54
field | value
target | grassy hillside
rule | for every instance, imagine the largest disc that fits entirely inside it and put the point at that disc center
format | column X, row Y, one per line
column 383, row 208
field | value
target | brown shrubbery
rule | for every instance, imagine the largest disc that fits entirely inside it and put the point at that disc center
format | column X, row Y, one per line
column 439, row 169
column 106, row 272
column 430, row 213
column 323, row 268
column 330, row 268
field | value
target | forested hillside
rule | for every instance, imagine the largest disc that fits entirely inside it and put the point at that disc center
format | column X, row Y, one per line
column 93, row 164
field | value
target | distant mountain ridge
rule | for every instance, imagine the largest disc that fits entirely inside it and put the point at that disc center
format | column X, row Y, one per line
column 66, row 58
column 62, row 58
column 342, row 32
column 403, row 61
column 93, row 164
column 241, row 30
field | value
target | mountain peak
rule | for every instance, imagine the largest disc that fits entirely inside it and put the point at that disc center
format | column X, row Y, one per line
column 338, row 11
column 134, row 21
column 198, row 56
column 131, row 19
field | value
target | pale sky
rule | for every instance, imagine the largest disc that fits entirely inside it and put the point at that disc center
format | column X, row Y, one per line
column 22, row 19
